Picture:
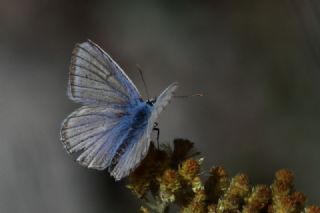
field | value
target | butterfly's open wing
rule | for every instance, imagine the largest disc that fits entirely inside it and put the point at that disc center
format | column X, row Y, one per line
column 96, row 81
column 95, row 78
column 135, row 153
column 95, row 130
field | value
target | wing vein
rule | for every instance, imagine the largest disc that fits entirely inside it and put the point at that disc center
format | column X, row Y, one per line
column 90, row 136
column 74, row 55
column 87, row 77
column 89, row 70
column 103, row 115
column 96, row 58
column 80, row 125
column 90, row 144
column 105, row 65
column 79, row 133
column 102, row 78
column 94, row 88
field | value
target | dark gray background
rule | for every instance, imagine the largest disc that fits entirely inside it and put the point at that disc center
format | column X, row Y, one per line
column 257, row 62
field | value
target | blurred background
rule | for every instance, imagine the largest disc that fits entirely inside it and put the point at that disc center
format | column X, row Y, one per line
column 257, row 62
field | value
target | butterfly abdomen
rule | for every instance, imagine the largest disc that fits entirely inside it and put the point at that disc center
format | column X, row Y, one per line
column 139, row 120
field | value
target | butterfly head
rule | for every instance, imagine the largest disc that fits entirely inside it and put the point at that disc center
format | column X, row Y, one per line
column 151, row 101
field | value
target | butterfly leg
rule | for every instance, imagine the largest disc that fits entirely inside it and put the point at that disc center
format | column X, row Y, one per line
column 155, row 128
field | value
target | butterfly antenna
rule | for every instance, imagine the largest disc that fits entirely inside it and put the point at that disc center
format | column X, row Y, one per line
column 188, row 96
column 142, row 78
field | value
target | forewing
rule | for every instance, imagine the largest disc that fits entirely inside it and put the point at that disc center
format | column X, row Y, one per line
column 137, row 150
column 162, row 101
column 93, row 130
column 95, row 78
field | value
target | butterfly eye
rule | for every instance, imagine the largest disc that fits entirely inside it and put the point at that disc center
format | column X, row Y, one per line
column 150, row 102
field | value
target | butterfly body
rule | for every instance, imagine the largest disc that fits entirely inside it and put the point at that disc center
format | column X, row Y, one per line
column 113, row 127
column 133, row 124
column 141, row 114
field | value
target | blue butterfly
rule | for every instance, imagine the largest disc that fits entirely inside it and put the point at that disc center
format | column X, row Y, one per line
column 113, row 127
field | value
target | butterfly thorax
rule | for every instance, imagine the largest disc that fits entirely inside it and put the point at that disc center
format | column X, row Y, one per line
column 141, row 115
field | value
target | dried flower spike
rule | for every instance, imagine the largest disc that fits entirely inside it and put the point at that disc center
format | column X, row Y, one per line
column 169, row 185
column 231, row 200
column 189, row 169
column 169, row 177
column 257, row 200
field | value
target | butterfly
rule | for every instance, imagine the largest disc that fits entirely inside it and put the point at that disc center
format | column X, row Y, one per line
column 112, row 130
